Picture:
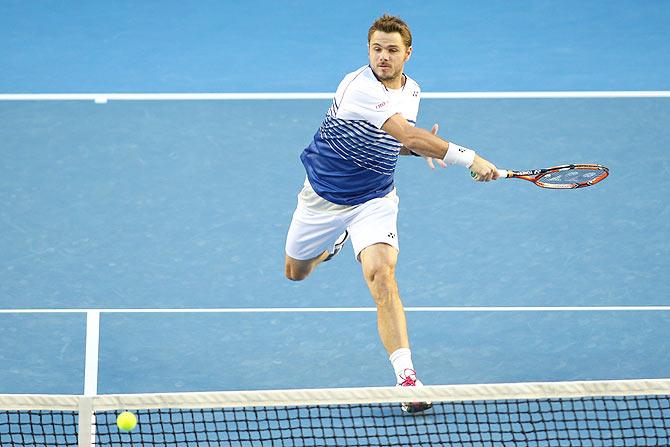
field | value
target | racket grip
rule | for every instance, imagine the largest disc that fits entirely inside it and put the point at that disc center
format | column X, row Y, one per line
column 502, row 173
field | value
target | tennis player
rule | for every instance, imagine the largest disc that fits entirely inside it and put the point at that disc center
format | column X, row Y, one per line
column 349, row 189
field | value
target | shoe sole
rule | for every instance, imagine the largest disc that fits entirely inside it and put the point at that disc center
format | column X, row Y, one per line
column 416, row 407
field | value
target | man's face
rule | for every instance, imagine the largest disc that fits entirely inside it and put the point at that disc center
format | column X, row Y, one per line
column 388, row 55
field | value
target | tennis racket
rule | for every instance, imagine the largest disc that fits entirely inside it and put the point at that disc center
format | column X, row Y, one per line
column 560, row 177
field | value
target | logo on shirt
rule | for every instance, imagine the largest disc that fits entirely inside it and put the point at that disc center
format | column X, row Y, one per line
column 415, row 93
column 383, row 104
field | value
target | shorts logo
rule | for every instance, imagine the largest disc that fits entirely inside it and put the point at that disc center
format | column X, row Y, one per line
column 391, row 235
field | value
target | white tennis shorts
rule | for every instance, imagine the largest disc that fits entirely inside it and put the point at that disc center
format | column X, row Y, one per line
column 317, row 224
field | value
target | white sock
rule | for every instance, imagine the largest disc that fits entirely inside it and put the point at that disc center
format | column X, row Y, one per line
column 401, row 359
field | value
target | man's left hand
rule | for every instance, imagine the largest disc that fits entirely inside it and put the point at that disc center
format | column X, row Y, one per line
column 431, row 160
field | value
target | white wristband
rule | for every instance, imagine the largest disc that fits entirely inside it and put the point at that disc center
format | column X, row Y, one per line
column 459, row 155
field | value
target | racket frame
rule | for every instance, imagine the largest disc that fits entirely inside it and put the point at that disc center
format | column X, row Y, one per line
column 535, row 175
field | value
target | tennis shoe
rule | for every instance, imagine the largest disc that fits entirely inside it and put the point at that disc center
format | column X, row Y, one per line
column 408, row 378
column 338, row 245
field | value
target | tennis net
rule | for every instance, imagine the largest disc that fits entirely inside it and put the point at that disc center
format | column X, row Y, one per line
column 598, row 413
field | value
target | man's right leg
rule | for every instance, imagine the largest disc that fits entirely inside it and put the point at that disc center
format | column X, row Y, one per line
column 297, row 270
column 313, row 237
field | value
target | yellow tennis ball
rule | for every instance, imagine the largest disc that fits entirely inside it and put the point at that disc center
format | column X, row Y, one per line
column 126, row 421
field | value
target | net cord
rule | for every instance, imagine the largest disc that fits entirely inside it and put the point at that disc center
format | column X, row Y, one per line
column 333, row 396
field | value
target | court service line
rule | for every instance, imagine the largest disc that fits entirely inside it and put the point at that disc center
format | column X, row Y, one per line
column 102, row 98
column 349, row 309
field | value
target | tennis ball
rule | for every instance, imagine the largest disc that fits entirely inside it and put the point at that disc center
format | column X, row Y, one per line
column 126, row 421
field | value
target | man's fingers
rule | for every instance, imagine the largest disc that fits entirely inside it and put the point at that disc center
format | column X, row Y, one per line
column 431, row 162
column 485, row 175
column 435, row 128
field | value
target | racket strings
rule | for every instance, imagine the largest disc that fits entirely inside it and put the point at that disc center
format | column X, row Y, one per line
column 574, row 176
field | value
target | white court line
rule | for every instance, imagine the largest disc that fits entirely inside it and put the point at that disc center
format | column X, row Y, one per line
column 105, row 97
column 351, row 309
column 92, row 349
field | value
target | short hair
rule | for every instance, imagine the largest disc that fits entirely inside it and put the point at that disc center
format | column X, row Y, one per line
column 392, row 24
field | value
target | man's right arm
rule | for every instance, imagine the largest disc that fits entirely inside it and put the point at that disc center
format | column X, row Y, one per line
column 429, row 145
column 416, row 139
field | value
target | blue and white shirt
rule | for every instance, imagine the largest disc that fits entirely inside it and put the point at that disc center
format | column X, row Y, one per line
column 351, row 160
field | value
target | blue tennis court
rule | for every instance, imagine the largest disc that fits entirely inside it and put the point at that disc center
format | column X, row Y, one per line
column 185, row 204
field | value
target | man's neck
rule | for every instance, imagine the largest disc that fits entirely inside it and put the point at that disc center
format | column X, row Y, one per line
column 395, row 83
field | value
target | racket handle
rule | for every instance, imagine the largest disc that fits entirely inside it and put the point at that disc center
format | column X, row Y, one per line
column 502, row 173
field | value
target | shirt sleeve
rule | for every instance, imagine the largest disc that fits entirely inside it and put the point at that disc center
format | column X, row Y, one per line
column 367, row 102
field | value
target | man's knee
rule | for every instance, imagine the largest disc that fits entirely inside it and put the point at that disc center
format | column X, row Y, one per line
column 296, row 270
column 379, row 273
column 378, row 262
column 295, row 274
column 382, row 284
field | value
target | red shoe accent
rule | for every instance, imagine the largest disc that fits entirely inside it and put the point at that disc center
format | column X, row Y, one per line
column 408, row 378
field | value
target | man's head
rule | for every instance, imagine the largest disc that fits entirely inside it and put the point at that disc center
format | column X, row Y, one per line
column 389, row 47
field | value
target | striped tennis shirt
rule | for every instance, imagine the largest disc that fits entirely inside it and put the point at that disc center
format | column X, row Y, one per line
column 351, row 160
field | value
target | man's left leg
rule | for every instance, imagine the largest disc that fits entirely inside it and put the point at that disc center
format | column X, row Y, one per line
column 374, row 239
column 378, row 262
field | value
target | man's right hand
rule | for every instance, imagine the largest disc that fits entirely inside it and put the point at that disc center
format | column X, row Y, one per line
column 483, row 169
